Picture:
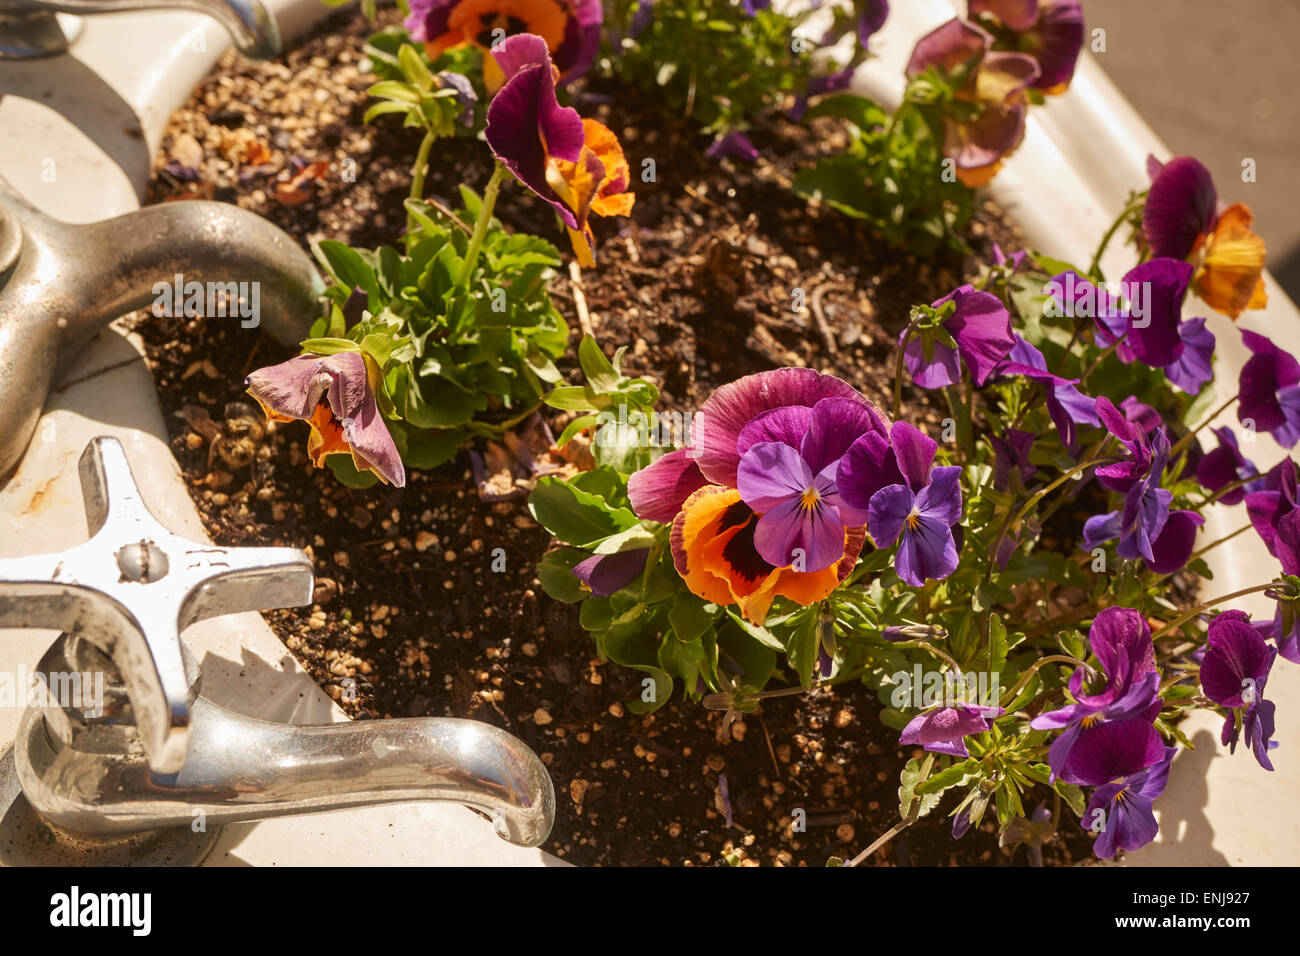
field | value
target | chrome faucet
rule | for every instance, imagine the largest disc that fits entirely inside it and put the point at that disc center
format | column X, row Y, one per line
column 60, row 284
column 147, row 768
column 29, row 28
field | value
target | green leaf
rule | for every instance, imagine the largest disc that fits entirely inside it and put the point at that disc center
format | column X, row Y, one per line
column 688, row 617
column 1074, row 796
column 801, row 649
column 634, row 538
column 575, row 516
column 346, row 472
column 954, row 776
column 329, row 346
column 907, row 795
column 345, row 265
column 600, row 373
column 555, row 571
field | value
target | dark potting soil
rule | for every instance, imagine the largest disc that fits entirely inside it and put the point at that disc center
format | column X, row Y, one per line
column 700, row 285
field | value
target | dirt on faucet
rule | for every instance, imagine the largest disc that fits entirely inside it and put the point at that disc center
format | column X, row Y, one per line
column 406, row 604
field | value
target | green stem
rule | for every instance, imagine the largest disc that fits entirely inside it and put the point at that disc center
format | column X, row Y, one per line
column 1094, row 268
column 418, row 173
column 1186, row 439
column 898, row 367
column 1012, row 694
column 481, row 225
column 1190, row 613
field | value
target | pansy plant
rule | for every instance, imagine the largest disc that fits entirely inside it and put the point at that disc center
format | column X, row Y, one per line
column 802, row 534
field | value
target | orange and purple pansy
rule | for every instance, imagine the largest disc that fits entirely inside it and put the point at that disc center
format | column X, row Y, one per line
column 570, row 29
column 335, row 396
column 575, row 165
column 995, row 79
column 772, row 498
column 1182, row 219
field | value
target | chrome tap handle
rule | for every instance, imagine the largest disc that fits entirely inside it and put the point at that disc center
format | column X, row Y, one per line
column 135, row 586
column 251, row 26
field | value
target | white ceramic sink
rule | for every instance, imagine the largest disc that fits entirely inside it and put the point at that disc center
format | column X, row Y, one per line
column 98, row 115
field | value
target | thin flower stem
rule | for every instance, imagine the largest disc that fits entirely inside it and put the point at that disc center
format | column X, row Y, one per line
column 481, row 224
column 1101, row 358
column 1186, row 439
column 898, row 367
column 418, row 172
column 913, row 814
column 1094, row 268
column 1012, row 694
column 1190, row 613
column 1227, row 489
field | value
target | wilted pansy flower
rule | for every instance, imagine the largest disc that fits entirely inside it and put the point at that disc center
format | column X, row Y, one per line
column 734, row 144
column 335, row 395
column 1120, row 812
column 1051, row 31
column 577, row 166
column 943, row 731
column 570, row 28
column 1181, row 219
column 603, row 574
column 996, row 80
column 1121, row 642
column 1268, row 396
column 743, row 534
column 980, row 325
column 1234, row 672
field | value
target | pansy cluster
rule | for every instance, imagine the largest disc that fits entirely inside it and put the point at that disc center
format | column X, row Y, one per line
column 1045, row 539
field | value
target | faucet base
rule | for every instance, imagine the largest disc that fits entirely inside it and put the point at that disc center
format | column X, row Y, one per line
column 26, row 36
column 28, row 839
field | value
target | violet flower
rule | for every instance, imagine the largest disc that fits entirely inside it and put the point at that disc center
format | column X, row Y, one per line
column 1225, row 465
column 942, row 731
column 981, row 327
column 1121, row 642
column 918, row 514
column 1113, row 750
column 1234, row 672
column 734, row 144
column 1268, row 398
column 1051, row 31
column 1275, row 496
column 604, row 574
column 1011, row 457
column 788, row 475
column 1066, row 405
column 1121, row 813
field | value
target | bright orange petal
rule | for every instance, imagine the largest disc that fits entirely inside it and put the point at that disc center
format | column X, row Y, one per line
column 476, row 19
column 1230, row 277
column 612, row 199
column 326, row 436
column 700, row 520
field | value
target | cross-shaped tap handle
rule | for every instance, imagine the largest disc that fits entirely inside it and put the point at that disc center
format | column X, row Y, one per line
column 135, row 586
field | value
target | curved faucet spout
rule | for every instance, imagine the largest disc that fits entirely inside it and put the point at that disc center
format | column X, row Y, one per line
column 251, row 27
column 61, row 284
column 239, row 769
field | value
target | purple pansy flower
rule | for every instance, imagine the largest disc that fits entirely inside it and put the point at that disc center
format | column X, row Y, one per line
column 918, row 513
column 734, row 144
column 1192, row 368
column 1051, row 31
column 872, row 15
column 1066, row 405
column 1123, row 475
column 1233, row 674
column 1146, row 527
column 606, row 573
column 1121, row 642
column 1180, row 208
column 1269, row 392
column 1225, row 465
column 1275, row 496
column 788, row 469
column 981, row 327
column 1113, row 750
column 1121, row 813
column 1012, row 452
column 942, row 731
